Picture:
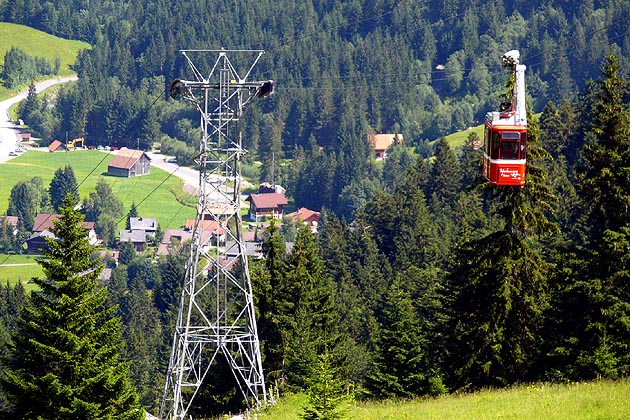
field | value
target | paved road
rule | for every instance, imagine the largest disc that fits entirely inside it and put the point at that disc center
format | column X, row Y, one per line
column 8, row 130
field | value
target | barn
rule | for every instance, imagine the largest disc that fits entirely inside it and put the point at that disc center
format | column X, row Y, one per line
column 129, row 163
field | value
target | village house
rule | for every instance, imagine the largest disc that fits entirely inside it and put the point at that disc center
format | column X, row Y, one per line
column 138, row 238
column 11, row 220
column 304, row 215
column 41, row 230
column 210, row 230
column 129, row 163
column 147, row 224
column 57, row 146
column 381, row 143
column 172, row 237
column 268, row 203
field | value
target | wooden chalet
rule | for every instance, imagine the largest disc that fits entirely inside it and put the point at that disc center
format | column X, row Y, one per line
column 129, row 163
column 304, row 215
column 381, row 143
column 57, row 146
column 267, row 205
column 41, row 230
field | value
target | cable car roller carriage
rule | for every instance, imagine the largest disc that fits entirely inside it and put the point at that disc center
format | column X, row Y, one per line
column 505, row 133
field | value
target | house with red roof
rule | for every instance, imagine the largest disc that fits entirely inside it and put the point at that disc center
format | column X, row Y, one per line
column 57, row 146
column 267, row 205
column 129, row 163
column 11, row 220
column 209, row 229
column 304, row 215
column 381, row 143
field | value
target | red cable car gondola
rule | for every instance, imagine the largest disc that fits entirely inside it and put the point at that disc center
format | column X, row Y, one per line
column 505, row 134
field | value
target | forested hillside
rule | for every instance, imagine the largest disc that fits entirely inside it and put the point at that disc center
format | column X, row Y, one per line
column 342, row 70
column 422, row 279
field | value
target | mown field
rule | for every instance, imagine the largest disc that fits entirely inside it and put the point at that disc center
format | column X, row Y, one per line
column 158, row 195
column 38, row 44
column 599, row 400
column 19, row 269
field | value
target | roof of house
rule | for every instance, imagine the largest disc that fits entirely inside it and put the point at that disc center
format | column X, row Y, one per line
column 126, row 158
column 383, row 141
column 44, row 221
column 54, row 145
column 305, row 215
column 12, row 220
column 267, row 201
column 179, row 234
column 135, row 236
column 210, row 226
column 143, row 223
column 249, row 248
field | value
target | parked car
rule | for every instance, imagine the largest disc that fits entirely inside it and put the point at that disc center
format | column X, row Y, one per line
column 12, row 154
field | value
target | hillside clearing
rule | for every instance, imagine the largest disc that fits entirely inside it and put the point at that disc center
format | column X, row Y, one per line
column 38, row 44
column 156, row 195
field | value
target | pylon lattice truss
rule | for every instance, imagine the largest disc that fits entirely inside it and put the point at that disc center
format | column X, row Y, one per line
column 216, row 313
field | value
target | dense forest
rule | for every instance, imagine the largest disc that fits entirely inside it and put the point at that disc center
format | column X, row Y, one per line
column 422, row 279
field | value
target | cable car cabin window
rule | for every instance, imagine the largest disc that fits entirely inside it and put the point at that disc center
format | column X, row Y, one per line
column 510, row 145
column 523, row 144
column 494, row 145
column 509, row 150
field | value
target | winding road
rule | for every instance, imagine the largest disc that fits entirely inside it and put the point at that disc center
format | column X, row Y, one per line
column 9, row 136
column 8, row 129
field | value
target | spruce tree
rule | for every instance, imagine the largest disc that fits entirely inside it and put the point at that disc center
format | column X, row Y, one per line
column 271, row 302
column 446, row 175
column 592, row 306
column 312, row 314
column 65, row 357
column 400, row 366
column 63, row 183
column 329, row 398
column 133, row 212
column 495, row 294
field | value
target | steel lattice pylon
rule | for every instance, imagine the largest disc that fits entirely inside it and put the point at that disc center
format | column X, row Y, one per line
column 216, row 312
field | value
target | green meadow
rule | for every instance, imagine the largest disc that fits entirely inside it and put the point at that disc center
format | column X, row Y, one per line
column 158, row 194
column 598, row 400
column 38, row 44
column 19, row 269
column 458, row 139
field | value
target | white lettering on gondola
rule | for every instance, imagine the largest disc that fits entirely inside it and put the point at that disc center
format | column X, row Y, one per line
column 509, row 173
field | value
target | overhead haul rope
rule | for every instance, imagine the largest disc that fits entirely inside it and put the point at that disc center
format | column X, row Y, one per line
column 302, row 37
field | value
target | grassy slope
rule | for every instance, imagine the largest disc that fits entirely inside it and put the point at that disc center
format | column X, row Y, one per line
column 458, row 139
column 38, row 44
column 88, row 165
column 19, row 268
column 579, row 401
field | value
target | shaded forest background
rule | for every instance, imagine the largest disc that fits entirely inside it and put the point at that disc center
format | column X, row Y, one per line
column 421, row 280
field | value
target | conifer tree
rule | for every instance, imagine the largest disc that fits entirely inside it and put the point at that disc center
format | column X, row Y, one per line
column 400, row 365
column 592, row 306
column 446, row 175
column 496, row 290
column 65, row 357
column 63, row 183
column 328, row 396
column 312, row 314
column 271, row 302
column 133, row 212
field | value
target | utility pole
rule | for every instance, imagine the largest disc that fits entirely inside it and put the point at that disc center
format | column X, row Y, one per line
column 216, row 321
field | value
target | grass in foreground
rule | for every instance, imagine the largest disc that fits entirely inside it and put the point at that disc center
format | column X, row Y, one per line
column 578, row 401
column 156, row 195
